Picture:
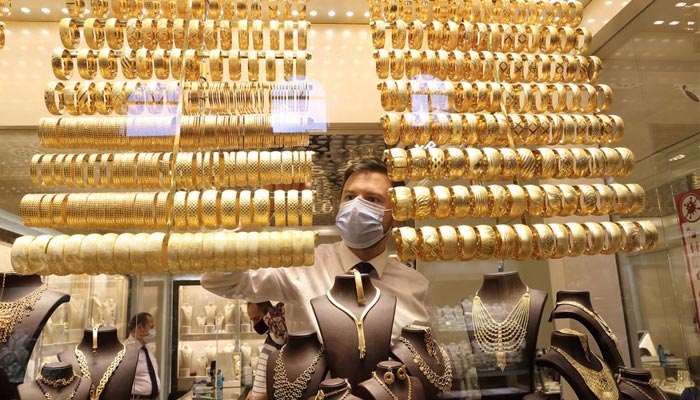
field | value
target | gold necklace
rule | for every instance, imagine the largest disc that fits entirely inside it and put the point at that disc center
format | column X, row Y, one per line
column 70, row 396
column 96, row 392
column 499, row 338
column 592, row 314
column 345, row 390
column 388, row 390
column 56, row 383
column 601, row 383
column 359, row 323
column 442, row 382
column 286, row 390
column 13, row 312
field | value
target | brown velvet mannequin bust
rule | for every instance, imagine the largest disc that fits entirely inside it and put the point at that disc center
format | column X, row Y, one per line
column 298, row 354
column 53, row 371
column 108, row 345
column 340, row 334
column 372, row 389
column 416, row 336
column 635, row 384
column 607, row 346
column 571, row 345
column 16, row 351
column 335, row 389
column 500, row 293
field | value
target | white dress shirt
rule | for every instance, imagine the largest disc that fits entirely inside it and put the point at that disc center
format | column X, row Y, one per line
column 296, row 286
column 142, row 380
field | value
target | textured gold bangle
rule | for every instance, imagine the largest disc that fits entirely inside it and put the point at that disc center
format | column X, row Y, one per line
column 261, row 208
column 293, row 207
column 286, row 248
column 638, row 198
column 423, row 203
column 605, row 199
column 577, row 238
column 447, row 236
column 69, row 33
column 506, row 244
column 595, row 238
column 211, row 218
column 612, row 237
column 442, row 201
column 561, row 240
column 544, row 241
column 486, row 242
column 429, row 243
column 229, row 209
column 245, row 206
column 308, row 239
column 307, row 207
column 622, row 199
column 524, row 242
column 466, row 243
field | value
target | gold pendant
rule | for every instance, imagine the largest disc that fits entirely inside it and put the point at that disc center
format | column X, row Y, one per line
column 501, row 360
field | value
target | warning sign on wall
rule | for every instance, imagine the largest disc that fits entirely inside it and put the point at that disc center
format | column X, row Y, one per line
column 688, row 209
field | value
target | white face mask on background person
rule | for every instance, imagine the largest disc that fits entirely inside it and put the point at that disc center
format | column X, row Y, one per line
column 151, row 335
column 361, row 223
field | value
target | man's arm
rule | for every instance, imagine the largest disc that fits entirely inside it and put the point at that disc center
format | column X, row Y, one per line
column 258, row 285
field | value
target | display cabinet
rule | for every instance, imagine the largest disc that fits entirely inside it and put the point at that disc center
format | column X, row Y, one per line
column 211, row 328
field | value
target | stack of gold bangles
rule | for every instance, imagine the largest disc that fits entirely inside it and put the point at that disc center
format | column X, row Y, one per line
column 154, row 170
column 558, row 12
column 246, row 97
column 465, row 97
column 154, row 253
column 420, row 202
column 484, row 65
column 158, row 132
column 521, row 242
column 465, row 36
column 493, row 129
column 488, row 163
column 211, row 209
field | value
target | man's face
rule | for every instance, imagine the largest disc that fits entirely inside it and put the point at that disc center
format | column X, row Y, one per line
column 142, row 330
column 370, row 186
column 255, row 313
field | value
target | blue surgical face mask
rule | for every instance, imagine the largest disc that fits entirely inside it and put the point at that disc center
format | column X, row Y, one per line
column 361, row 223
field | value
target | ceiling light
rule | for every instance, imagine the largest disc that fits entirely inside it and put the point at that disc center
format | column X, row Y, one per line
column 25, row 10
column 681, row 4
column 673, row 23
column 64, row 10
column 86, row 12
column 331, row 13
column 676, row 158
column 349, row 14
column 45, row 10
column 659, row 22
column 295, row 13
column 366, row 14
column 313, row 13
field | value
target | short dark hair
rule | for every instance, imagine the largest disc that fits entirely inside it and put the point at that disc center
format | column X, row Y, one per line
column 138, row 319
column 368, row 164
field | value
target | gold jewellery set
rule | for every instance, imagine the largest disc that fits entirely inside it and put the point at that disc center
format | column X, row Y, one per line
column 495, row 201
column 155, row 253
column 13, row 312
column 442, row 382
column 60, row 384
column 190, row 210
column 286, row 390
column 96, row 391
column 558, row 13
column 388, row 379
column 244, row 132
column 343, row 392
column 522, row 242
column 200, row 170
column 488, row 163
column 593, row 314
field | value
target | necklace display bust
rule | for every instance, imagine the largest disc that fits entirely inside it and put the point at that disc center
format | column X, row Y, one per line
column 59, row 380
column 500, row 297
column 342, row 336
column 119, row 385
column 390, row 382
column 424, row 358
column 302, row 366
column 577, row 305
column 636, row 384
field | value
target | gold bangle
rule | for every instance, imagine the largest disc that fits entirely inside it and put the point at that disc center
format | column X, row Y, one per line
column 261, row 208
column 466, row 243
column 638, row 198
column 486, row 242
column 595, row 238
column 535, row 196
column 524, row 242
column 429, row 243
column 378, row 28
column 442, row 201
column 69, row 33
column 561, row 240
column 211, row 218
column 461, row 201
column 517, row 200
column 612, row 237
column 447, row 236
column 651, row 235
column 406, row 240
column 622, row 199
column 423, row 204
column 553, row 200
column 588, row 199
column 307, row 207
column 506, row 242
column 417, row 164
column 114, row 33
column 293, row 207
column 544, row 242
column 62, row 64
column 297, row 248
column 286, row 248
column 626, row 159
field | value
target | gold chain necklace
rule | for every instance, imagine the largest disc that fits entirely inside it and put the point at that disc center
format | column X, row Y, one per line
column 501, row 337
column 345, row 390
column 359, row 323
column 442, row 382
column 13, row 312
column 655, row 388
column 286, row 390
column 601, row 383
column 56, row 383
column 70, row 396
column 386, row 388
column 592, row 314
column 96, row 392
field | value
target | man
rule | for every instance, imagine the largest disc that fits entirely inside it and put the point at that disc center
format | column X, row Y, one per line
column 365, row 222
column 146, row 381
column 267, row 320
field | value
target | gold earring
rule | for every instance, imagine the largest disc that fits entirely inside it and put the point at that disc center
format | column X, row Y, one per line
column 389, row 377
column 401, row 373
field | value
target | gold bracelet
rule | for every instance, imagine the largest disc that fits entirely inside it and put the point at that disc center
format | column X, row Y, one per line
column 442, row 201
column 429, row 243
column 595, row 238
column 447, row 236
column 423, row 204
column 544, row 242
column 406, row 240
column 307, row 207
column 486, row 242
column 524, row 242
column 261, row 208
column 466, row 243
column 506, row 242
column 561, row 240
column 651, row 235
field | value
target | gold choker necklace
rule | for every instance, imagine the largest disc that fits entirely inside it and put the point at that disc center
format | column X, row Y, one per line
column 49, row 396
column 345, row 390
column 592, row 314
column 13, row 312
column 96, row 392
column 502, row 337
column 359, row 323
column 56, row 383
column 286, row 390
column 601, row 383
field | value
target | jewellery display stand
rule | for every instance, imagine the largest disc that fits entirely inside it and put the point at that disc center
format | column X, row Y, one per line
column 17, row 349
column 577, row 305
column 301, row 369
column 386, row 383
column 636, row 384
column 341, row 334
column 73, row 386
column 109, row 347
column 500, row 293
column 335, row 389
column 589, row 376
column 433, row 368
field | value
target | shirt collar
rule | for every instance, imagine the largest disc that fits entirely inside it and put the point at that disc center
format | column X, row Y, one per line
column 348, row 259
